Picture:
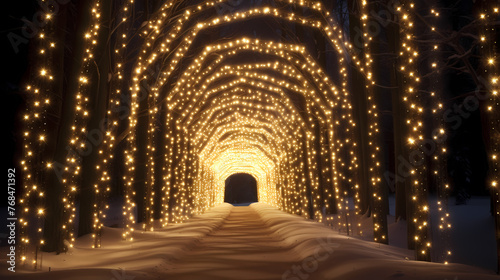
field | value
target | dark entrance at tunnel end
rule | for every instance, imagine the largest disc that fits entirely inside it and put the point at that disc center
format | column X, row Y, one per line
column 240, row 189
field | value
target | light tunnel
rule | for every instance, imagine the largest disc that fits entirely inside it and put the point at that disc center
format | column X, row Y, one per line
column 277, row 116
column 166, row 100
column 203, row 108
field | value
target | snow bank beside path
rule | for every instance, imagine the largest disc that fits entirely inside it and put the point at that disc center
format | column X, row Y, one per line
column 329, row 255
column 149, row 249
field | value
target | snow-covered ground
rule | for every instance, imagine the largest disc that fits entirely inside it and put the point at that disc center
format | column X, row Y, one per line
column 253, row 242
column 471, row 240
column 472, row 237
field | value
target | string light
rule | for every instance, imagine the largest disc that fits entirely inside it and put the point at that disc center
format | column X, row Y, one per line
column 105, row 159
column 34, row 164
column 489, row 47
column 379, row 219
column 70, row 177
column 412, row 100
column 439, row 157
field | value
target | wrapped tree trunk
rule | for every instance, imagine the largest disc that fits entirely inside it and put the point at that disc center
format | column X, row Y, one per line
column 96, row 126
column 69, row 65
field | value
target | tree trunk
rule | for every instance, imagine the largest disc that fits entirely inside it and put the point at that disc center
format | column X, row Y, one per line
column 378, row 95
column 397, row 179
column 96, row 126
column 358, row 99
column 492, row 116
column 53, row 235
column 141, row 170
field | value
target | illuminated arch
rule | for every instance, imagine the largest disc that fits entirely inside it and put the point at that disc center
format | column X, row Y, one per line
column 340, row 145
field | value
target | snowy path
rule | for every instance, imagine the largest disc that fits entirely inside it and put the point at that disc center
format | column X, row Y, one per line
column 243, row 246
column 255, row 242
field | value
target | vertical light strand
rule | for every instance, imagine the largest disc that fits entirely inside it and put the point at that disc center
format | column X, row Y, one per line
column 439, row 135
column 166, row 195
column 77, row 141
column 106, row 153
column 413, row 102
column 150, row 164
column 34, row 164
column 380, row 230
column 489, row 44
